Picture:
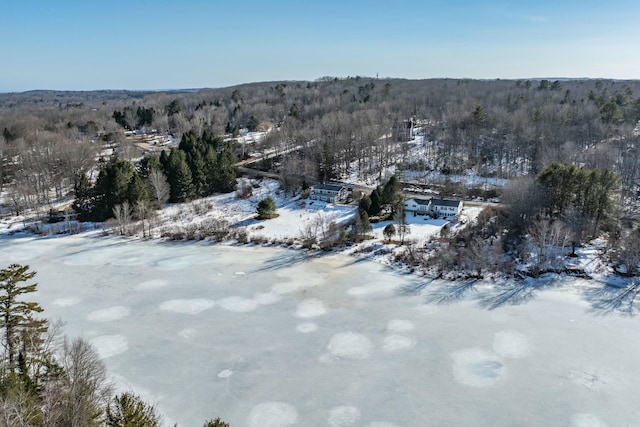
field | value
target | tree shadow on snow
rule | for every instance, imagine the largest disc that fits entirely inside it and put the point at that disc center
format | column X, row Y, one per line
column 413, row 288
column 448, row 292
column 288, row 260
column 612, row 299
column 512, row 294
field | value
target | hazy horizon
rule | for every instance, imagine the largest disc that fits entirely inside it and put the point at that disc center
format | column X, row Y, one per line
column 74, row 45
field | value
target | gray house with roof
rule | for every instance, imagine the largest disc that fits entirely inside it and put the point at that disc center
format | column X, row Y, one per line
column 331, row 193
column 435, row 207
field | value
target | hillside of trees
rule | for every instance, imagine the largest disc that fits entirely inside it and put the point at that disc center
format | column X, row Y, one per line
column 569, row 148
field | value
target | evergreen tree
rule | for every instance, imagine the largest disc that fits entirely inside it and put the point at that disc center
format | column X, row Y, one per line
column 389, row 231
column 266, row 208
column 376, row 202
column 179, row 177
column 390, row 191
column 129, row 410
column 215, row 423
column 16, row 315
column 149, row 163
column 364, row 224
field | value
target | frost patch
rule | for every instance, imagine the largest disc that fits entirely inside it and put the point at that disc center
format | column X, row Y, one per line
column 225, row 373
column 586, row 420
column 152, row 284
column 272, row 414
column 372, row 289
column 311, row 307
column 343, row 416
column 66, row 302
column 187, row 333
column 289, row 287
column 350, row 345
column 110, row 345
column 238, row 304
column 511, row 344
column 307, row 328
column 397, row 343
column 108, row 314
column 187, row 306
column 267, row 298
column 477, row 367
column 399, row 325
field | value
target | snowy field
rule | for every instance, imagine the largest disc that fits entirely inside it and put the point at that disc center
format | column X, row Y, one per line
column 266, row 337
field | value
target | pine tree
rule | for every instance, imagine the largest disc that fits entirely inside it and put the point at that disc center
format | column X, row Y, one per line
column 129, row 410
column 179, row 177
column 266, row 208
column 16, row 315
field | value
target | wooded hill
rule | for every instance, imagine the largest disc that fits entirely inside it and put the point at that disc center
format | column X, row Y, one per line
column 332, row 128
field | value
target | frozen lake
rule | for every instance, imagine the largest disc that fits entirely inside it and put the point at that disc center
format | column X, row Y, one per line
column 267, row 337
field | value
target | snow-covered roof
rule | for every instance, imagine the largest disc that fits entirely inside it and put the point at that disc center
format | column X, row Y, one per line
column 329, row 187
column 424, row 202
column 445, row 202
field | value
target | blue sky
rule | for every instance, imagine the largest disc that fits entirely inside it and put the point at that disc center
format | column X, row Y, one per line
column 97, row 44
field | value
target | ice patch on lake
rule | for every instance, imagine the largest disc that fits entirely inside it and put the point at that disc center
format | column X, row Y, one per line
column 397, row 343
column 267, row 298
column 152, row 284
column 343, row 416
column 477, row 367
column 108, row 314
column 350, row 345
column 272, row 414
column 187, row 333
column 586, row 420
column 511, row 344
column 225, row 373
column 237, row 304
column 240, row 273
column 182, row 262
column 427, row 309
column 307, row 328
column 66, row 302
column 110, row 345
column 187, row 306
column 381, row 424
column 399, row 325
column 311, row 307
column 587, row 377
column 378, row 288
column 290, row 287
column 85, row 258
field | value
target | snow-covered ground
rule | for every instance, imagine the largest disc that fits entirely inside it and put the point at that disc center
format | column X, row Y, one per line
column 271, row 337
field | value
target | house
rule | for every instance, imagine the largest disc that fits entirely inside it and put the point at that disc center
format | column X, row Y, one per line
column 434, row 207
column 417, row 206
column 328, row 193
column 446, row 208
column 404, row 131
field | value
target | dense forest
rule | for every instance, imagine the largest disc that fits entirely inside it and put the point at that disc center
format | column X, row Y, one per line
column 568, row 148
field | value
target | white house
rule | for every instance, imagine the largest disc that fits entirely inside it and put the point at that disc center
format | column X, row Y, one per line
column 417, row 206
column 435, row 207
column 328, row 193
column 446, row 208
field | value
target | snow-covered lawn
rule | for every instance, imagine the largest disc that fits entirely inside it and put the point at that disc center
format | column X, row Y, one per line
column 273, row 337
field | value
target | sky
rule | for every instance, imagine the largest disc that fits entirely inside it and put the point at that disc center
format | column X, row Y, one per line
column 161, row 44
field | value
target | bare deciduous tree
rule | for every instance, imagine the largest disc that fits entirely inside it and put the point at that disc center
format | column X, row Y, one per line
column 159, row 186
